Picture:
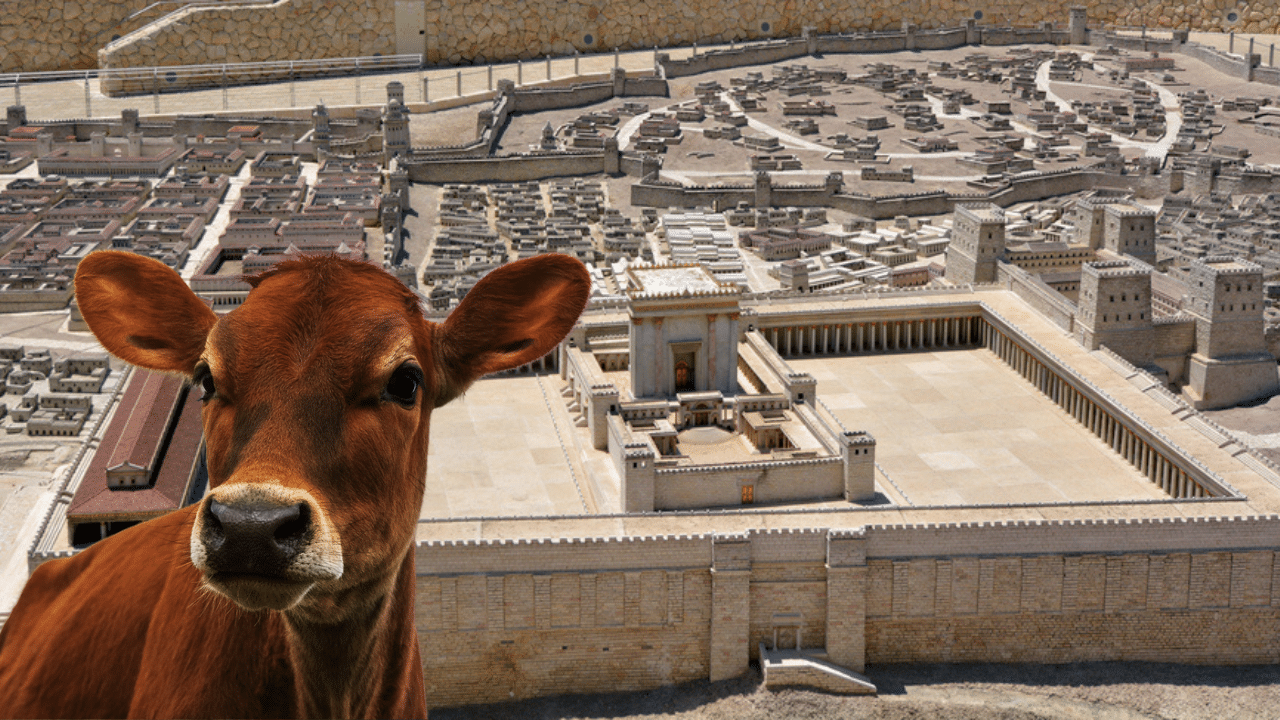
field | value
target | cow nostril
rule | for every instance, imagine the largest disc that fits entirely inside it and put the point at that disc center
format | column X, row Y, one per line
column 212, row 523
column 293, row 525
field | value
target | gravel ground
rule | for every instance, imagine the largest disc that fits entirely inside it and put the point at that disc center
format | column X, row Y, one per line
column 1101, row 691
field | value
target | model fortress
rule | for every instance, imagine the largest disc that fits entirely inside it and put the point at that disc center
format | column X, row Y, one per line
column 1202, row 333
column 679, row 432
column 690, row 483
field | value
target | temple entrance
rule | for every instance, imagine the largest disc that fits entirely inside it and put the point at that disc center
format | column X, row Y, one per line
column 684, row 378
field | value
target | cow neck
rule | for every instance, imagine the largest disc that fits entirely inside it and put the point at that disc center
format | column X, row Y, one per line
column 355, row 668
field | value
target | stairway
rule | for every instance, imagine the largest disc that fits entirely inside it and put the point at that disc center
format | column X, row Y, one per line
column 798, row 668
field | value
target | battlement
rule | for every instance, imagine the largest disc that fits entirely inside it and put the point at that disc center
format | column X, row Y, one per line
column 1087, row 523
column 1115, row 269
column 681, row 280
column 857, row 437
column 984, row 213
column 638, row 451
column 1225, row 265
column 564, row 542
column 1126, row 210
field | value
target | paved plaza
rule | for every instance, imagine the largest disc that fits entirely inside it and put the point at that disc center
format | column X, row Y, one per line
column 959, row 427
column 497, row 451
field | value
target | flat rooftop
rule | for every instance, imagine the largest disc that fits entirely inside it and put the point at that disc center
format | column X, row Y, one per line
column 665, row 280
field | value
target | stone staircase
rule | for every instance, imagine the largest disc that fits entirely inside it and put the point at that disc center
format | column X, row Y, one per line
column 800, row 668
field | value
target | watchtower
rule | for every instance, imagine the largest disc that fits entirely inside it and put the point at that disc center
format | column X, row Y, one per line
column 1078, row 18
column 1130, row 230
column 859, row 454
column 1114, row 309
column 395, row 130
column 320, row 133
column 977, row 242
column 1231, row 363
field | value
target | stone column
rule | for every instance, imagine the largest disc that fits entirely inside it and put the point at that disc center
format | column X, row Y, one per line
column 712, row 327
column 662, row 382
column 730, row 606
column 846, row 599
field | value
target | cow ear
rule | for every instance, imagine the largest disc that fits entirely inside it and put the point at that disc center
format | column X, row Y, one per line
column 142, row 312
column 514, row 315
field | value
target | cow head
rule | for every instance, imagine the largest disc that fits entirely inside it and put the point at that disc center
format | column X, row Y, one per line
column 318, row 393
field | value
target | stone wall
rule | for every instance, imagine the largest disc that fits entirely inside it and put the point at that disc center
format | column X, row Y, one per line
column 1155, row 607
column 39, row 36
column 480, row 31
column 283, row 30
column 501, row 620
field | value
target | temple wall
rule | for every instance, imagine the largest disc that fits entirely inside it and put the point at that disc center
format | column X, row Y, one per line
column 502, row 620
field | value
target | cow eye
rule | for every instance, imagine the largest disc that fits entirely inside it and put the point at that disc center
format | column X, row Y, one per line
column 402, row 387
column 204, row 378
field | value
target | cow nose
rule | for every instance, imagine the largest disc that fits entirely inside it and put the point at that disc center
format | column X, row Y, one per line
column 258, row 539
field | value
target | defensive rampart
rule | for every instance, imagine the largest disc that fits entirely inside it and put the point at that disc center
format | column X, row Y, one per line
column 655, row 192
column 505, row 620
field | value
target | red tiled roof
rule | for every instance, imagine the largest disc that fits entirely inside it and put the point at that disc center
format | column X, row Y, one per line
column 136, row 436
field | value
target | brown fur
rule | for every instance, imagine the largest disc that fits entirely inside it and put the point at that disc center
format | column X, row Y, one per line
column 133, row 627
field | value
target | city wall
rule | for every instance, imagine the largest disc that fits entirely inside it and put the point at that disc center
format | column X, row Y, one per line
column 508, row 168
column 653, row 192
column 501, row 620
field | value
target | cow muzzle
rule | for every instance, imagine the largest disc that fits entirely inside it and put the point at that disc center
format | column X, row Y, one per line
column 264, row 546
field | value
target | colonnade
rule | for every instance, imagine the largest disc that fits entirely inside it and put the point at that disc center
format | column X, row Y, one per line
column 879, row 336
column 1150, row 461
column 546, row 363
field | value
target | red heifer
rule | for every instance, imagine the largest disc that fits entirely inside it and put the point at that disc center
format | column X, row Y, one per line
column 289, row 590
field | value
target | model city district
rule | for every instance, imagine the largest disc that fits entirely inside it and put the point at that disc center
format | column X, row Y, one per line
column 893, row 357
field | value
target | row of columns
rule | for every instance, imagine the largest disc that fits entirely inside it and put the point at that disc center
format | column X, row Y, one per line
column 1148, row 460
column 545, row 363
column 918, row 334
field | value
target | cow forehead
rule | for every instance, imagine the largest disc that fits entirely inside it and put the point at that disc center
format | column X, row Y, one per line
column 340, row 316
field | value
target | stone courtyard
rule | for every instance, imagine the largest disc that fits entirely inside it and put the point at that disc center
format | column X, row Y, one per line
column 960, row 429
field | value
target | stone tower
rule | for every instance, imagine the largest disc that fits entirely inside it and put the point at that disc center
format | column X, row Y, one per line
column 1078, row 19
column 320, row 134
column 1130, row 230
column 858, row 451
column 395, row 91
column 764, row 190
column 395, row 131
column 16, row 117
column 1231, row 363
column 1114, row 309
column 977, row 242
column 794, row 275
column 1088, row 216
column 128, row 121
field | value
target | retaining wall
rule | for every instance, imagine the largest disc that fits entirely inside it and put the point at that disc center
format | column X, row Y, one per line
column 243, row 33
column 510, row 620
column 479, row 31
